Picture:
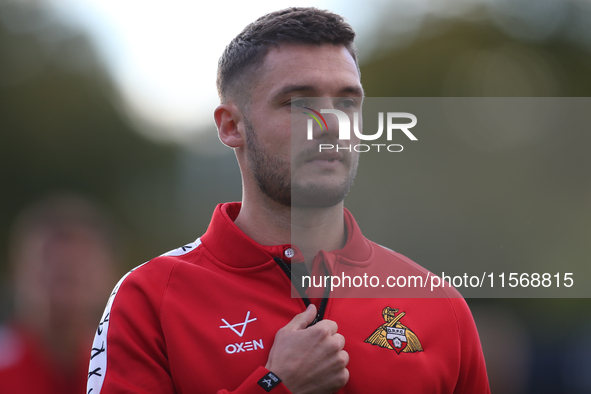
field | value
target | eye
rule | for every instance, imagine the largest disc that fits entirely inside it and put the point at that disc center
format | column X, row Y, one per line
column 348, row 103
column 298, row 103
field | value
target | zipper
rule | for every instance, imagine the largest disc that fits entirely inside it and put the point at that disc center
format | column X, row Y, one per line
column 298, row 285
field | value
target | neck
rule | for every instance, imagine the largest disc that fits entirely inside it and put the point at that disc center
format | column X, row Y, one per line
column 316, row 229
column 309, row 229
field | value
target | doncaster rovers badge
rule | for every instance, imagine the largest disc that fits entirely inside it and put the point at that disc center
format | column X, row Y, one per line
column 393, row 335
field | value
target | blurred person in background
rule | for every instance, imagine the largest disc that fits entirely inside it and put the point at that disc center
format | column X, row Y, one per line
column 62, row 254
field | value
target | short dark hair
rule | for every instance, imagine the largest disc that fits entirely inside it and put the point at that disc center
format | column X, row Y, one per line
column 295, row 25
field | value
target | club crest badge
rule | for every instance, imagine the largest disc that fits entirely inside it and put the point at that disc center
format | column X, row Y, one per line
column 394, row 335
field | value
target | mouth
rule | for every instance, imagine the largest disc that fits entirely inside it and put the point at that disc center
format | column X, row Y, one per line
column 327, row 161
column 326, row 156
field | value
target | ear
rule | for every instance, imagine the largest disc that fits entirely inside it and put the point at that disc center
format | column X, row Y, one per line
column 227, row 118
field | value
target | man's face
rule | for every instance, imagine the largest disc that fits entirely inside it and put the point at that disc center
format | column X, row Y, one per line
column 288, row 168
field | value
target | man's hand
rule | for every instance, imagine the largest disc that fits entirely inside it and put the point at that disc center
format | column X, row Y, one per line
column 309, row 359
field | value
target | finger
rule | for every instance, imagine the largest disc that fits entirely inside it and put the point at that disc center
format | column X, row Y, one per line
column 330, row 326
column 303, row 320
column 345, row 357
column 340, row 340
column 346, row 376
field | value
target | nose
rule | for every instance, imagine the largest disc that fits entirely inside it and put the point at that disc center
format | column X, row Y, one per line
column 321, row 125
column 338, row 124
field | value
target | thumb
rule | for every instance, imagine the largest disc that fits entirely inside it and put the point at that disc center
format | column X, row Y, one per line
column 303, row 320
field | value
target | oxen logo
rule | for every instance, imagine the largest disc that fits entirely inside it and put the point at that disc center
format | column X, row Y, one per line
column 394, row 335
column 239, row 347
column 243, row 324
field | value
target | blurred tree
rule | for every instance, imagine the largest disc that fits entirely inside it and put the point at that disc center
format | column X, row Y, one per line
column 476, row 59
column 60, row 129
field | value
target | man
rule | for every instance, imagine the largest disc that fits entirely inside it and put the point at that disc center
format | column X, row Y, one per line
column 217, row 315
column 62, row 254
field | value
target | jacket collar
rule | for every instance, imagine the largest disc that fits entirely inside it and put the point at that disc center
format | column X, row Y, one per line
column 232, row 247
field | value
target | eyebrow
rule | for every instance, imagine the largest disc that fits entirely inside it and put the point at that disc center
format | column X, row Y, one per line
column 353, row 89
column 289, row 89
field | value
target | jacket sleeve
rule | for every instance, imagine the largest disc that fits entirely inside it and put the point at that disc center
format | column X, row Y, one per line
column 129, row 353
column 251, row 385
column 129, row 349
column 472, row 378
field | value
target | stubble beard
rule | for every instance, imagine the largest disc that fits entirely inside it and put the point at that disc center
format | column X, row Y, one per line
column 273, row 177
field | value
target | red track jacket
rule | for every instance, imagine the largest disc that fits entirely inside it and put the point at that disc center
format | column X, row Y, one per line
column 202, row 319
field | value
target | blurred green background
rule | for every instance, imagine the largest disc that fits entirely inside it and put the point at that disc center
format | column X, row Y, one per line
column 62, row 127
